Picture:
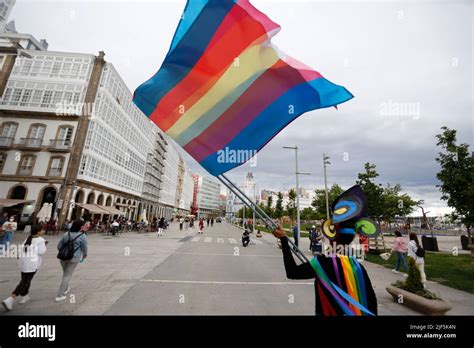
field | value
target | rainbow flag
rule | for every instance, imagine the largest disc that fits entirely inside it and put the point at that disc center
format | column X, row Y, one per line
column 224, row 90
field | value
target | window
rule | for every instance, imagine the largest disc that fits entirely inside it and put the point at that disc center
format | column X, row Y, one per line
column 56, row 166
column 9, row 129
column 26, row 166
column 3, row 159
column 64, row 136
column 36, row 134
column 7, row 133
column 47, row 99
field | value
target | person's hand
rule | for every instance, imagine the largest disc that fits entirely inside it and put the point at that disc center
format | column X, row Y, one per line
column 279, row 233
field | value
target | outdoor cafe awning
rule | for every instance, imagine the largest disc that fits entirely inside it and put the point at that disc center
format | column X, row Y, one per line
column 92, row 208
column 12, row 202
column 100, row 209
column 112, row 210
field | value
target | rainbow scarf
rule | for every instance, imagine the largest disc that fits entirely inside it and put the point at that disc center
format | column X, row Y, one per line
column 224, row 90
column 354, row 301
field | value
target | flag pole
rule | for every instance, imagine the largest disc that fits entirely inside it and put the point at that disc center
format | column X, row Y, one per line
column 262, row 215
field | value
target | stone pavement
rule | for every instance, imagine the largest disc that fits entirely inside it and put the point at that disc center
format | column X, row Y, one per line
column 114, row 264
column 188, row 274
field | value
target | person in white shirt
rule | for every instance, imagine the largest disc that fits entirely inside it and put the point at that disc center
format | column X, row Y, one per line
column 30, row 261
column 413, row 246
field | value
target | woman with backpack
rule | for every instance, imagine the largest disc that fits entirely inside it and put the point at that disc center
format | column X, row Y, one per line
column 30, row 261
column 72, row 249
column 416, row 252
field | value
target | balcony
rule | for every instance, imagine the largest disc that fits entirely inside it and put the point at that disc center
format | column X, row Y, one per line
column 59, row 145
column 25, row 171
column 55, row 172
column 31, row 144
column 6, row 142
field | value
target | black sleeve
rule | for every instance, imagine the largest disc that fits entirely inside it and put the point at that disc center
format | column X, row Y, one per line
column 371, row 298
column 294, row 271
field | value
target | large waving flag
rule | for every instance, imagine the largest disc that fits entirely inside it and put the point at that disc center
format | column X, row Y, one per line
column 224, row 90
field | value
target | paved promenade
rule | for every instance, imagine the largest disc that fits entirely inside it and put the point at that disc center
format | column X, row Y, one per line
column 183, row 273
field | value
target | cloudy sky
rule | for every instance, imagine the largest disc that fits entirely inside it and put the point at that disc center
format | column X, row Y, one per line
column 408, row 63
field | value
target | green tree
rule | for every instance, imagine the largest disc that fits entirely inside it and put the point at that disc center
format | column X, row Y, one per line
column 291, row 206
column 456, row 177
column 319, row 201
column 269, row 208
column 308, row 214
column 248, row 213
column 396, row 204
column 279, row 206
column 373, row 191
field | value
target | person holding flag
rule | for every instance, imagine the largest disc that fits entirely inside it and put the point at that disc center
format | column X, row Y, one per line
column 342, row 285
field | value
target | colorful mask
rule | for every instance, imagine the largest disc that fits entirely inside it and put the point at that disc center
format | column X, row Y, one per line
column 349, row 215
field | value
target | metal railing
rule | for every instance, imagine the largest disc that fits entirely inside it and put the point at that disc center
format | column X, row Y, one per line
column 6, row 141
column 31, row 142
column 59, row 144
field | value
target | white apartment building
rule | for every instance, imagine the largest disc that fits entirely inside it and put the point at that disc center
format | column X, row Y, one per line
column 71, row 135
column 306, row 198
column 170, row 177
column 5, row 9
column 207, row 191
column 35, row 142
column 186, row 200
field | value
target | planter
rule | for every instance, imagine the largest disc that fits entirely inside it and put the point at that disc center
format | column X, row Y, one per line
column 418, row 303
column 429, row 243
column 471, row 246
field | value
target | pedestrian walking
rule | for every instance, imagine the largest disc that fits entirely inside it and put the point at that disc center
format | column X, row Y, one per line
column 161, row 226
column 212, row 222
column 30, row 259
column 295, row 235
column 400, row 247
column 201, row 226
column 208, row 222
column 115, row 227
column 181, row 222
column 9, row 227
column 416, row 252
column 313, row 238
column 72, row 249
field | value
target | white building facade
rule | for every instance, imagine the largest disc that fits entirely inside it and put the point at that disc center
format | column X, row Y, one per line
column 207, row 191
column 5, row 10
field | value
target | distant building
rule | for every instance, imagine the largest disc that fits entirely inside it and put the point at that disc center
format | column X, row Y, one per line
column 207, row 191
column 235, row 204
column 306, row 198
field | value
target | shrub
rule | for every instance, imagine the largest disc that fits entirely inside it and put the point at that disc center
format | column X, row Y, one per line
column 413, row 283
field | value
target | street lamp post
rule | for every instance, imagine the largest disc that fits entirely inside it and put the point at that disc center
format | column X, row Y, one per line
column 297, row 236
column 255, row 197
column 325, row 163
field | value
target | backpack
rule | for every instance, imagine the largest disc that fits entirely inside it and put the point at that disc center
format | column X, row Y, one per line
column 420, row 252
column 67, row 251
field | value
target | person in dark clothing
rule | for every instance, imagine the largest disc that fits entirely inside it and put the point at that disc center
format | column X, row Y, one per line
column 295, row 235
column 342, row 285
column 161, row 226
column 245, row 238
column 326, row 305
